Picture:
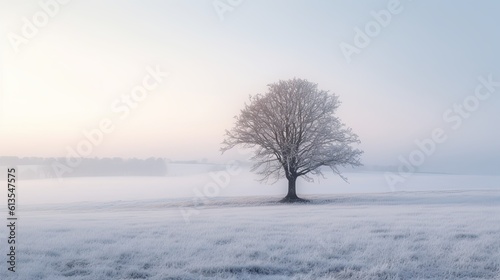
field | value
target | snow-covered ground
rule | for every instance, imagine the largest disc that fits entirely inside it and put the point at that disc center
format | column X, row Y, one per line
column 424, row 235
column 432, row 227
column 195, row 180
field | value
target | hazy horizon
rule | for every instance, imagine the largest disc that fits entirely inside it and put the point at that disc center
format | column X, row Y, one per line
column 78, row 70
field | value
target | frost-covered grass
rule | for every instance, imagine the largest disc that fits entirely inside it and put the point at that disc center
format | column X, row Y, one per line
column 426, row 235
column 190, row 179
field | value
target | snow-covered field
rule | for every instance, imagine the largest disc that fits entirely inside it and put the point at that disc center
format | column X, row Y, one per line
column 195, row 180
column 424, row 235
column 152, row 228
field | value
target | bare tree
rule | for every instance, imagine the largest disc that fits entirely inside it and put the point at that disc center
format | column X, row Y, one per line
column 294, row 132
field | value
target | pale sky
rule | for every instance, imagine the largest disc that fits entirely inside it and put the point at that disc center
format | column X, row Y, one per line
column 71, row 73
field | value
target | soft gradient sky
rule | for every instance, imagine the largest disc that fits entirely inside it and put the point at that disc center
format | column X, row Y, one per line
column 63, row 81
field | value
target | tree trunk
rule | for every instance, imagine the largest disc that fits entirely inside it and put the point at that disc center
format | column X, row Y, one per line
column 292, row 194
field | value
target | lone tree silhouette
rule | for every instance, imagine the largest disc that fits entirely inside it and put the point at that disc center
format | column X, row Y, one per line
column 294, row 131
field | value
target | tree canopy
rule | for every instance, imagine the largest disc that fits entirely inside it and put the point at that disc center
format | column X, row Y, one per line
column 294, row 131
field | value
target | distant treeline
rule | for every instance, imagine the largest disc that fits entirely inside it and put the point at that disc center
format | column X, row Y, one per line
column 35, row 167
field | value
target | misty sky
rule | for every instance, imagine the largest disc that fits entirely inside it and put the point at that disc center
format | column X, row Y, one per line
column 78, row 69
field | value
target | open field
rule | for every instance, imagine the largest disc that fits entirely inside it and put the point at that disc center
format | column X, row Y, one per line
column 188, row 180
column 412, row 235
